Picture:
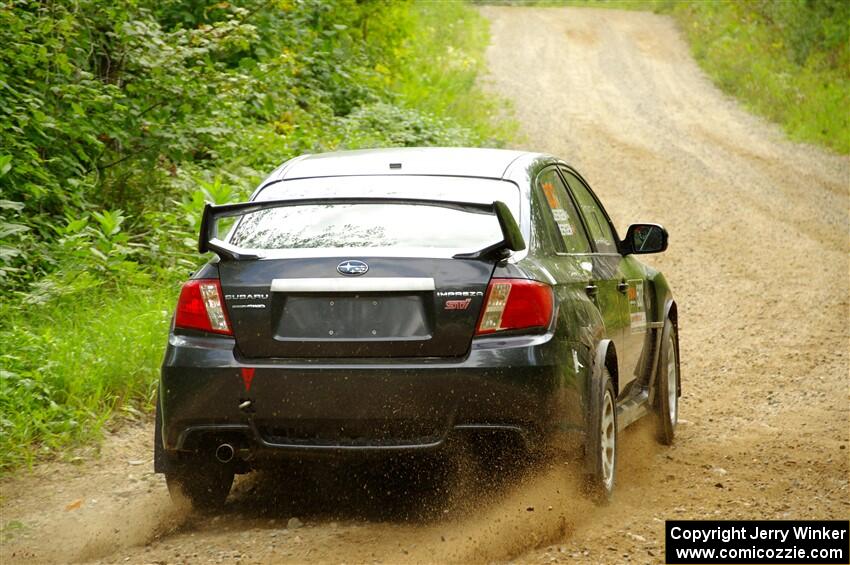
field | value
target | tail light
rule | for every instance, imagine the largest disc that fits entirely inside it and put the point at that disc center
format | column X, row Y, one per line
column 515, row 304
column 200, row 307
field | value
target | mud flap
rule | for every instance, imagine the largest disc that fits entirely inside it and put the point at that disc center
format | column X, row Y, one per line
column 660, row 340
column 161, row 462
column 595, row 390
column 662, row 354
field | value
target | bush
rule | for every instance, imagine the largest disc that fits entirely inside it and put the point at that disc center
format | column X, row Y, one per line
column 71, row 363
column 120, row 119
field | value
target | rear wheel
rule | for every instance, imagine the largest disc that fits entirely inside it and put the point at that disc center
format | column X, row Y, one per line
column 201, row 482
column 667, row 389
column 601, row 442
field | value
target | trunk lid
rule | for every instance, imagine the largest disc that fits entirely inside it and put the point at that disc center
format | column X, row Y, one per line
column 402, row 307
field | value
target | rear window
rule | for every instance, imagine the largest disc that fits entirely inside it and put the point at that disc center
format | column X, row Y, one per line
column 365, row 226
column 376, row 228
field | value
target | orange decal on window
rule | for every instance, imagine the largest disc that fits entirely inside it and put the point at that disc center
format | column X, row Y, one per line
column 549, row 191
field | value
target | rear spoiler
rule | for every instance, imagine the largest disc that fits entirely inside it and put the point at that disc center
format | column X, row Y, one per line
column 512, row 239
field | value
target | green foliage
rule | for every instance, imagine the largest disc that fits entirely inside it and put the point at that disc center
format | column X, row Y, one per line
column 442, row 82
column 119, row 120
column 110, row 105
column 72, row 362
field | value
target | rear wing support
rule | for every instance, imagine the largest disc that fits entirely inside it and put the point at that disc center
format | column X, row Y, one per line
column 209, row 240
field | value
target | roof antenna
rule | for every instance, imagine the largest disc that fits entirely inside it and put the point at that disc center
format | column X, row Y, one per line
column 395, row 165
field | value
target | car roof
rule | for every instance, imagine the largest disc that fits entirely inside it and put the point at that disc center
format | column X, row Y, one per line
column 441, row 161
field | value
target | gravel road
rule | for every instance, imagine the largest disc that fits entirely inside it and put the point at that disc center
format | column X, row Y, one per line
column 758, row 260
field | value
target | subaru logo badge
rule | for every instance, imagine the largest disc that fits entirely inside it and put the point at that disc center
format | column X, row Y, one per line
column 352, row 267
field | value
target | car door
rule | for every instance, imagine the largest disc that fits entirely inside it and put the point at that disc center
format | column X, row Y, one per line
column 574, row 252
column 608, row 275
column 563, row 250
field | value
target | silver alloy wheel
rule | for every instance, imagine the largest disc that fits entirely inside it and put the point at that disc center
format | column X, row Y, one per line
column 672, row 397
column 608, row 439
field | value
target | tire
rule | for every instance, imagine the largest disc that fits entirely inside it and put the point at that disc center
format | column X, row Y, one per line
column 601, row 441
column 667, row 386
column 199, row 482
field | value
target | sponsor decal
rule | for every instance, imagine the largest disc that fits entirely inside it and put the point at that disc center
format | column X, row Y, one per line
column 549, row 192
column 562, row 219
column 637, row 306
column 565, row 228
column 576, row 364
column 458, row 304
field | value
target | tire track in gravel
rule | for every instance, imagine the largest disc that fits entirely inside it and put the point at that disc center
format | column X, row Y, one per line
column 758, row 262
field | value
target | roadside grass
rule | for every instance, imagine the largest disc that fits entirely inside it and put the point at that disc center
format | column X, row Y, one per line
column 788, row 61
column 443, row 60
column 70, row 364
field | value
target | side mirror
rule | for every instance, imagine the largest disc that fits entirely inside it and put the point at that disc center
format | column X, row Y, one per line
column 645, row 238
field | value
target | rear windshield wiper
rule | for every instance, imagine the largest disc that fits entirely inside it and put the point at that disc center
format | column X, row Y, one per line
column 512, row 239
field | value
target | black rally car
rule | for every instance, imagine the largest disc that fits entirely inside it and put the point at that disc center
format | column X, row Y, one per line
column 384, row 301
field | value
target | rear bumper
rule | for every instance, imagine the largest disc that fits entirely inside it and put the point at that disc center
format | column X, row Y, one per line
column 512, row 385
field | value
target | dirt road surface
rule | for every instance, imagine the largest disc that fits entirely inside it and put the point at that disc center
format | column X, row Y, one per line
column 758, row 260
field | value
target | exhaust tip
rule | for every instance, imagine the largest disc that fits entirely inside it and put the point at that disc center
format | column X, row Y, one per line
column 224, row 453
